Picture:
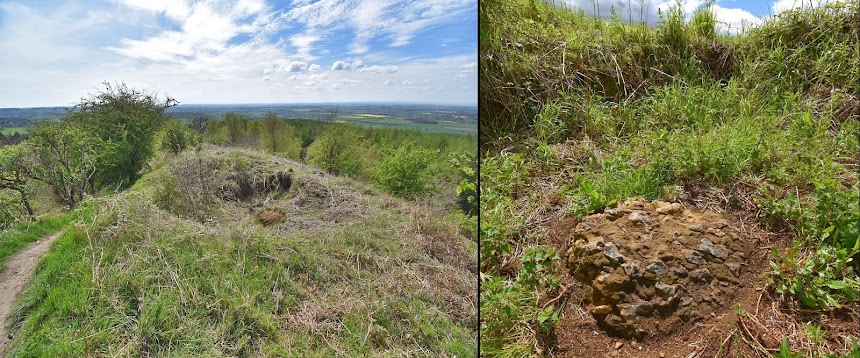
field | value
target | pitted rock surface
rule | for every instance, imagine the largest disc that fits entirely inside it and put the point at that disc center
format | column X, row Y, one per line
column 651, row 262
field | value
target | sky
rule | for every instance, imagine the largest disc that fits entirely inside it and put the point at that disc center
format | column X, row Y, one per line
column 733, row 16
column 52, row 53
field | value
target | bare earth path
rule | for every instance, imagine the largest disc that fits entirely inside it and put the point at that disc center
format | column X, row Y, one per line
column 14, row 277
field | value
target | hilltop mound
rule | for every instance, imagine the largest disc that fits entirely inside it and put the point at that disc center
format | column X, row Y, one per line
column 231, row 252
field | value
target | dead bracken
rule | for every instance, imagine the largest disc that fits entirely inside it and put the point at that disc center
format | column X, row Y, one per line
column 652, row 266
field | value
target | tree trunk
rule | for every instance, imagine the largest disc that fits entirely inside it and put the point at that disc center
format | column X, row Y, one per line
column 27, row 204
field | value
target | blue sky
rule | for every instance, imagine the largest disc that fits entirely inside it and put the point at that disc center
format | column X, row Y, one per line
column 732, row 15
column 249, row 51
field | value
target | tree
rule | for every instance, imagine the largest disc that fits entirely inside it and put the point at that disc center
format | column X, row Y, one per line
column 237, row 128
column 68, row 158
column 200, row 122
column 127, row 119
column 405, row 171
column 15, row 167
column 176, row 136
column 215, row 133
column 278, row 137
column 336, row 150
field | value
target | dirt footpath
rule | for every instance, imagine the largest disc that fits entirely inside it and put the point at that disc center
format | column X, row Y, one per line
column 13, row 279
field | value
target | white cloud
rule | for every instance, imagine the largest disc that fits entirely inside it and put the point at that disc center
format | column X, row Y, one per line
column 469, row 67
column 347, row 66
column 220, row 51
column 175, row 9
column 379, row 19
column 207, row 29
column 336, row 86
column 380, row 69
column 304, row 44
column 339, row 65
column 784, row 5
column 734, row 20
column 407, row 84
column 313, row 76
column 728, row 19
column 297, row 66
column 637, row 11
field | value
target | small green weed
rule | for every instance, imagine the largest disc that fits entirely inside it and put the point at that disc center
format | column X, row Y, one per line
column 514, row 319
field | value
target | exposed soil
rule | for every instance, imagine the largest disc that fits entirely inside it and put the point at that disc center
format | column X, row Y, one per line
column 632, row 288
column 14, row 278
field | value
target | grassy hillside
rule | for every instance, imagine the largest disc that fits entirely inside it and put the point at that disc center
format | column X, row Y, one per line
column 578, row 114
column 231, row 252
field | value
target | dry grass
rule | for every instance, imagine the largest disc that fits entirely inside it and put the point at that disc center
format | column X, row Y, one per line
column 341, row 269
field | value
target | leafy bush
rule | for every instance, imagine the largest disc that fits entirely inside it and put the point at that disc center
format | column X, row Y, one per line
column 279, row 137
column 824, row 279
column 405, row 171
column 337, row 150
column 176, row 136
column 467, row 190
column 512, row 320
column 829, row 219
column 126, row 120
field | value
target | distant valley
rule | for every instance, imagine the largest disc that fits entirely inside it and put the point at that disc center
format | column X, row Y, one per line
column 424, row 117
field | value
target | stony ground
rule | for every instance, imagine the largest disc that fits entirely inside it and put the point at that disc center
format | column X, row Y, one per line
column 654, row 266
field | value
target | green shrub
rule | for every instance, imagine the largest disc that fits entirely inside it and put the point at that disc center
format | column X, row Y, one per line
column 337, row 150
column 405, row 171
column 467, row 189
column 512, row 320
column 176, row 136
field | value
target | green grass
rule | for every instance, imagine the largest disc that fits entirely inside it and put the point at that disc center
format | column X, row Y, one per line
column 16, row 238
column 147, row 274
column 766, row 120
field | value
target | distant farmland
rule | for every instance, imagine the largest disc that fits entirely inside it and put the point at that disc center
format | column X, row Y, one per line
column 430, row 118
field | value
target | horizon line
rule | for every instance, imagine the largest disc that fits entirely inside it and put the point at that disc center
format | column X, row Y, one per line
column 281, row 103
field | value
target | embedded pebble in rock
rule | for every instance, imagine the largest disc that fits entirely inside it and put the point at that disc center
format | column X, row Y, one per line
column 657, row 267
column 632, row 269
column 668, row 208
column 700, row 275
column 616, row 213
column 611, row 252
column 649, row 262
column 693, row 257
column 638, row 217
column 718, row 251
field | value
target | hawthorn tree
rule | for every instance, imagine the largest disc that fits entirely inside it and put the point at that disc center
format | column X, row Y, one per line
column 128, row 120
column 176, row 136
column 15, row 167
column 67, row 158
column 405, row 171
column 278, row 137
column 237, row 128
column 336, row 150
